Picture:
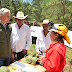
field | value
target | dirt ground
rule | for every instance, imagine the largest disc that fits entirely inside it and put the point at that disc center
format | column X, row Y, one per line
column 68, row 67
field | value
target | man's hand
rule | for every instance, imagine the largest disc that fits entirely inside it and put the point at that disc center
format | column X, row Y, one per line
column 38, row 53
column 24, row 51
column 12, row 57
column 12, row 54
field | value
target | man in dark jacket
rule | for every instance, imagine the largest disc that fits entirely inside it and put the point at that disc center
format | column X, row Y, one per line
column 5, row 32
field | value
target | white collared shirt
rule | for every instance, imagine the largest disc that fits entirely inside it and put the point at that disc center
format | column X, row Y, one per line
column 42, row 42
column 20, row 38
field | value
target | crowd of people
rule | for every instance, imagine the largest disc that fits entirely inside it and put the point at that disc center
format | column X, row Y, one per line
column 15, row 40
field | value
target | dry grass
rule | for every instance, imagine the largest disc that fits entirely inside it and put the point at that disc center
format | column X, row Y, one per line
column 68, row 67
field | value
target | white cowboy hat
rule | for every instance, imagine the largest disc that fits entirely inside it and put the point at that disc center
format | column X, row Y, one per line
column 46, row 21
column 20, row 15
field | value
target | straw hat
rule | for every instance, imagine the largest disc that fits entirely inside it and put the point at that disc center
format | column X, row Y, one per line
column 20, row 15
column 62, row 30
column 46, row 21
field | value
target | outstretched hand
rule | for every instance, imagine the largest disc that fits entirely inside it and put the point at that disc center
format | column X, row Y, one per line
column 24, row 51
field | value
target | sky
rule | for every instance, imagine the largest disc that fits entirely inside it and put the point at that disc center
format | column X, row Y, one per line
column 28, row 1
column 70, row 0
column 32, row 0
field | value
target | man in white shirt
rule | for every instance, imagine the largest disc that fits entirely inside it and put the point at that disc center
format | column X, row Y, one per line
column 43, row 41
column 20, row 37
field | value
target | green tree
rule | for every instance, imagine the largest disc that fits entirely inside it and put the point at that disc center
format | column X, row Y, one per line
column 58, row 11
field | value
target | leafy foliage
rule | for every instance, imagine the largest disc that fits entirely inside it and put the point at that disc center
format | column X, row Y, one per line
column 30, row 60
column 59, row 11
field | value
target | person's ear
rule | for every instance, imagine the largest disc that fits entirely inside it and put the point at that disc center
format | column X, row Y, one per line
column 57, row 35
column 15, row 19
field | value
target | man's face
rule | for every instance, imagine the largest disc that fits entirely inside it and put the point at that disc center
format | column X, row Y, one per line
column 6, row 17
column 45, row 27
column 20, row 21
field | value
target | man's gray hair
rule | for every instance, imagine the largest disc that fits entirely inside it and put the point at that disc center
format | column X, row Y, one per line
column 3, row 11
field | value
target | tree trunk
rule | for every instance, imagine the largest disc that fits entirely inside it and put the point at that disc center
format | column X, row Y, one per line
column 63, row 6
column 0, row 4
column 14, row 6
